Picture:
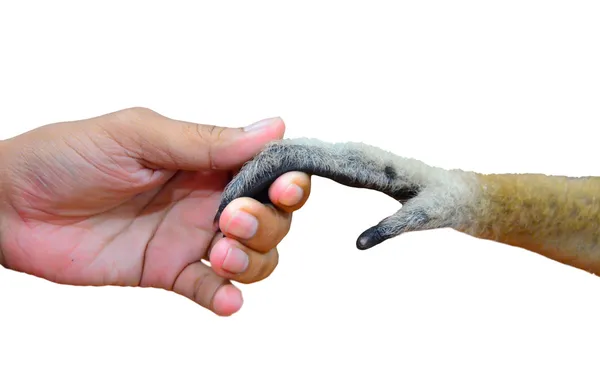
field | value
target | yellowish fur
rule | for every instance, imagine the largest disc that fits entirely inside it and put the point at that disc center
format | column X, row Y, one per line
column 558, row 217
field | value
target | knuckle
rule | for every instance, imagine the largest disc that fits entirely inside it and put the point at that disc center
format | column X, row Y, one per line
column 207, row 133
column 135, row 118
column 137, row 113
column 200, row 130
column 209, row 136
column 199, row 289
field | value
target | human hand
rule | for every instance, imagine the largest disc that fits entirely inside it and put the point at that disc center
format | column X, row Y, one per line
column 129, row 198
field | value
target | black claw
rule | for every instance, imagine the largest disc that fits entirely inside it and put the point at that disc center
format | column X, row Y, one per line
column 217, row 217
column 369, row 239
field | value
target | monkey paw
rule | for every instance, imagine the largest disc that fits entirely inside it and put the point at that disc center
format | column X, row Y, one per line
column 430, row 197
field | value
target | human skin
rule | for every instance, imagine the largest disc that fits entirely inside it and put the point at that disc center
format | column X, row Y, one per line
column 128, row 199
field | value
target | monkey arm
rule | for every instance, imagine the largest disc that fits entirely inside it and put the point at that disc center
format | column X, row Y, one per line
column 558, row 217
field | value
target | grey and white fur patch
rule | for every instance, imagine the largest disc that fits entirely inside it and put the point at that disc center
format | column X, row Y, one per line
column 431, row 197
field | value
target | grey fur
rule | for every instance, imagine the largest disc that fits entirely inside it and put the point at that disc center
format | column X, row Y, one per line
column 431, row 197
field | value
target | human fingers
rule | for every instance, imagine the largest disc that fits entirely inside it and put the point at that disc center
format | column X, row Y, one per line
column 290, row 191
column 202, row 285
column 232, row 260
column 257, row 226
column 261, row 227
column 160, row 142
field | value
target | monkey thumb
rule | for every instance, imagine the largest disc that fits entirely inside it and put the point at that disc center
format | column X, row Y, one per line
column 409, row 218
column 370, row 238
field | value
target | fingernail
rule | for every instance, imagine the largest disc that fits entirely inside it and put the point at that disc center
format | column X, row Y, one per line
column 260, row 124
column 236, row 260
column 242, row 225
column 227, row 300
column 292, row 195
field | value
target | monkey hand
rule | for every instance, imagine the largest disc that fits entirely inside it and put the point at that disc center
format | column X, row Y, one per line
column 430, row 197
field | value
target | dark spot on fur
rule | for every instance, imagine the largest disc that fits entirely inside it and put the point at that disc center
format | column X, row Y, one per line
column 420, row 217
column 406, row 193
column 414, row 221
column 390, row 173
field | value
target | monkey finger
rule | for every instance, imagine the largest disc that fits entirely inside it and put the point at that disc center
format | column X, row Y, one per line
column 259, row 227
column 290, row 191
column 232, row 260
column 417, row 214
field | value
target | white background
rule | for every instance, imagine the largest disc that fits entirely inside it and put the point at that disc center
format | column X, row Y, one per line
column 490, row 86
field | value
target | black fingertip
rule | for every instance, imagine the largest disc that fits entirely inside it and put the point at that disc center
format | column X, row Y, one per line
column 218, row 216
column 216, row 227
column 263, row 195
column 369, row 239
column 220, row 210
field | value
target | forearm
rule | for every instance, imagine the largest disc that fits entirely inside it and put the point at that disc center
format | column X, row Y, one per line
column 558, row 217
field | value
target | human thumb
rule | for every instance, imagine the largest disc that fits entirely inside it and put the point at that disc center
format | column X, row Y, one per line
column 171, row 144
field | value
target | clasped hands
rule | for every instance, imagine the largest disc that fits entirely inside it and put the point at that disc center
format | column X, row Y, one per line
column 128, row 199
